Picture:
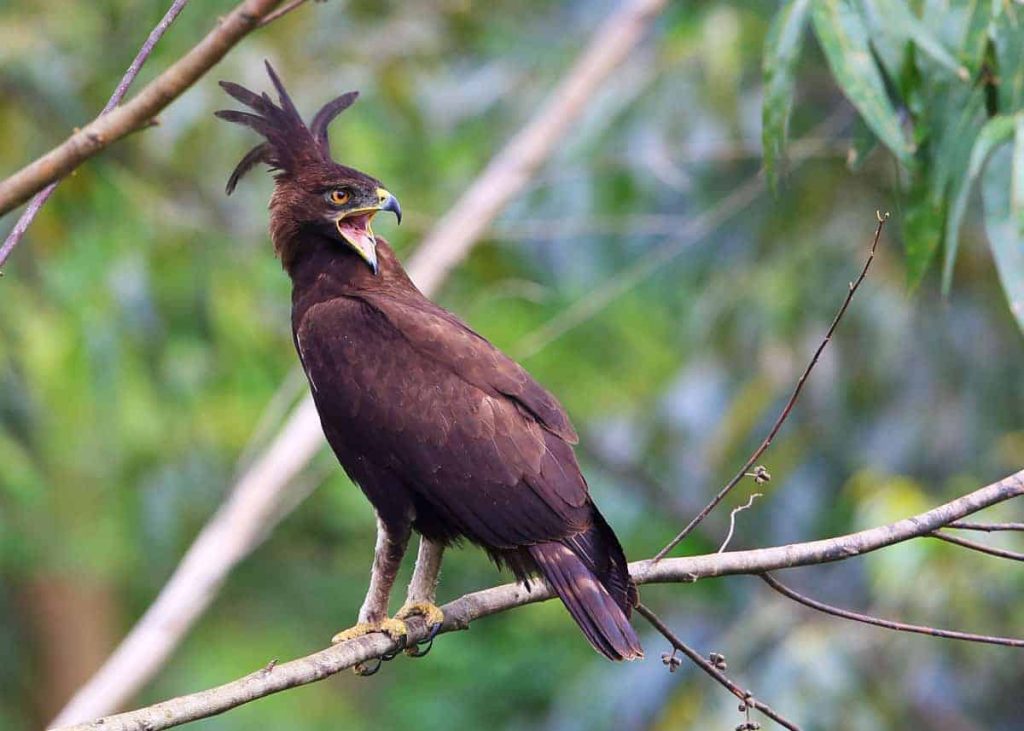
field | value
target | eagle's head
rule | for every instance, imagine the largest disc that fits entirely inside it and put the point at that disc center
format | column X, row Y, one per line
column 312, row 193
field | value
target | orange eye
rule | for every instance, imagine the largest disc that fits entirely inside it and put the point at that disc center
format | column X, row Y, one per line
column 338, row 197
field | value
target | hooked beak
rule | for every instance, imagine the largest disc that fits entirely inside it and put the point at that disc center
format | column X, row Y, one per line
column 390, row 203
column 354, row 227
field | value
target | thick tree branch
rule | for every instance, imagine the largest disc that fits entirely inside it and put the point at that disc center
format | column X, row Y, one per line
column 262, row 495
column 139, row 111
column 461, row 612
column 515, row 165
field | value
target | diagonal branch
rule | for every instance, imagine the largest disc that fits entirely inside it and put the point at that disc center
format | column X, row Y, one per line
column 979, row 547
column 461, row 612
column 887, row 623
column 258, row 499
column 139, row 111
column 39, row 200
column 745, row 696
column 788, row 408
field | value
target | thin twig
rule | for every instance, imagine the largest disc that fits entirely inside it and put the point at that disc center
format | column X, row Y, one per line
column 732, row 520
column 139, row 111
column 887, row 623
column 985, row 527
column 140, row 59
column 462, row 611
column 721, row 678
column 789, row 404
column 979, row 547
column 280, row 12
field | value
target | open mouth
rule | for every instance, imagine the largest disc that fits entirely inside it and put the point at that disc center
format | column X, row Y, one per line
column 355, row 229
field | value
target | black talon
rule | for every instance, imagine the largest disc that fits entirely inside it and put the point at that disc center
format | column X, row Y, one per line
column 402, row 642
column 361, row 670
column 415, row 650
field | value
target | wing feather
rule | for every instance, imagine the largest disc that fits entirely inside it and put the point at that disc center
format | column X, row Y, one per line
column 416, row 392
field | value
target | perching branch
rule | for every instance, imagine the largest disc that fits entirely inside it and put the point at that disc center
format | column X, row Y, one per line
column 461, row 612
column 39, row 200
column 139, row 111
column 788, row 408
column 258, row 499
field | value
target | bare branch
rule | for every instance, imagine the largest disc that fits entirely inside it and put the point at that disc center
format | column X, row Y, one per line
column 137, row 113
column 461, row 612
column 985, row 527
column 261, row 495
column 831, row 549
column 721, row 678
column 784, row 414
column 887, row 623
column 280, row 12
column 37, row 202
column 979, row 547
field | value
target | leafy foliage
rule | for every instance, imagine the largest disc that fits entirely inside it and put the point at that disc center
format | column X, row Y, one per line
column 939, row 84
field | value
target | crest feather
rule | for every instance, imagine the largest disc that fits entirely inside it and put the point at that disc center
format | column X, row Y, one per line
column 290, row 145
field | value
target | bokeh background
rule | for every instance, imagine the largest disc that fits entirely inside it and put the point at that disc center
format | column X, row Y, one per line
column 145, row 356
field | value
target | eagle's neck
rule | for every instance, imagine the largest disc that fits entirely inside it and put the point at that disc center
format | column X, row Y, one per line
column 323, row 268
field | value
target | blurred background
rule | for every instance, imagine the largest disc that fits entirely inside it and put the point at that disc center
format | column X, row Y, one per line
column 649, row 277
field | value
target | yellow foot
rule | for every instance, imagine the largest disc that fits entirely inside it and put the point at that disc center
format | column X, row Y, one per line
column 434, row 618
column 430, row 612
column 393, row 628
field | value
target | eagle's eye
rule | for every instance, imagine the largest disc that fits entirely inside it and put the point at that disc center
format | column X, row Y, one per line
column 338, row 197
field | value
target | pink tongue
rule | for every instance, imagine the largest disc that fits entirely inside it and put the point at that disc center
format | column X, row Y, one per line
column 355, row 231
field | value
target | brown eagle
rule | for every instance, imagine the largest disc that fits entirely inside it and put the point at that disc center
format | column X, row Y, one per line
column 443, row 432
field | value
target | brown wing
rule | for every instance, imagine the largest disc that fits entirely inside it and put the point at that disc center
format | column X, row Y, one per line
column 411, row 390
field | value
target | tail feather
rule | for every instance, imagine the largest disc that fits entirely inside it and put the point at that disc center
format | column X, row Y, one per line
column 594, row 588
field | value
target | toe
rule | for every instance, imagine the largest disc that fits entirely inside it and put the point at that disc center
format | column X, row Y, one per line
column 352, row 633
column 431, row 613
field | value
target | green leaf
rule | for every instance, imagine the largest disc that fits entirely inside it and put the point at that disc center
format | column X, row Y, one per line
column 781, row 50
column 995, row 132
column 922, row 228
column 1008, row 38
column 844, row 39
column 862, row 143
column 975, row 37
column 1017, row 180
column 1003, row 223
column 900, row 20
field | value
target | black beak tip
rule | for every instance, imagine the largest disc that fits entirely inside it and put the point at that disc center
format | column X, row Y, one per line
column 391, row 204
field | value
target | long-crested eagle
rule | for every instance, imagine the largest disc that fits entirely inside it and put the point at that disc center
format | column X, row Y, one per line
column 443, row 432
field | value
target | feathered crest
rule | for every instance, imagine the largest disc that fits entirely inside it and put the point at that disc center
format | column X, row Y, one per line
column 290, row 145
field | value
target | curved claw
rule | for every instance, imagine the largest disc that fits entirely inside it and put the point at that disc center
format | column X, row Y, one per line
column 415, row 651
column 364, row 671
column 403, row 641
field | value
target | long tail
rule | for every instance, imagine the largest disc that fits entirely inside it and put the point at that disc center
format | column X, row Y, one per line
column 589, row 574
